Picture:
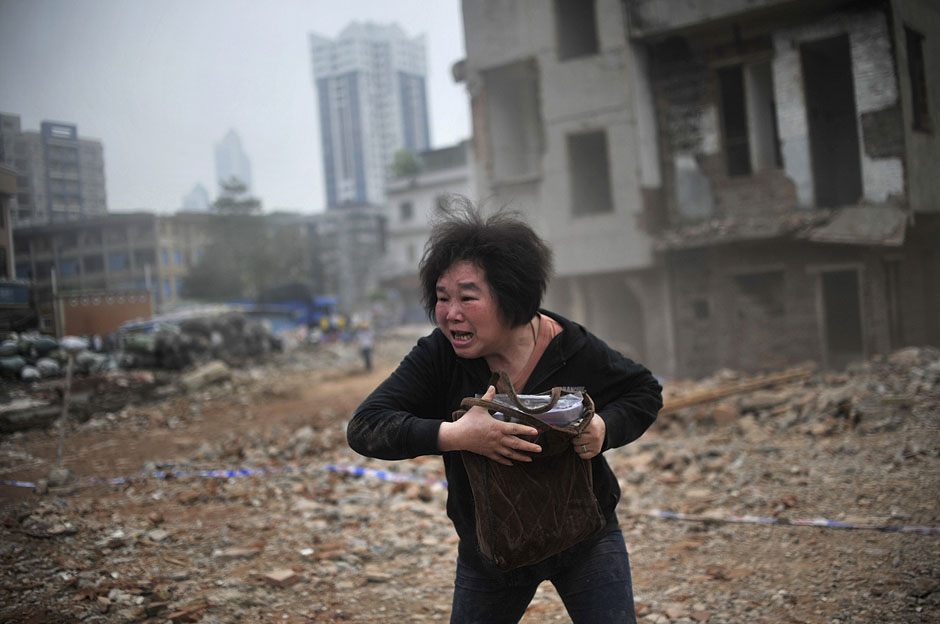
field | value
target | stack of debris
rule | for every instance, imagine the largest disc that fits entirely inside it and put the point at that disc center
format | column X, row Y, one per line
column 144, row 368
column 875, row 393
column 228, row 337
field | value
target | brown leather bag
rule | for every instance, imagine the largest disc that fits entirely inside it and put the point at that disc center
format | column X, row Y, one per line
column 527, row 512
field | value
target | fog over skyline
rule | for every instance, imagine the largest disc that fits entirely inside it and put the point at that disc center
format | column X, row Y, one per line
column 159, row 83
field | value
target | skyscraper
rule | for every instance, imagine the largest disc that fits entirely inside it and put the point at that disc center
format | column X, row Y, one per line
column 197, row 200
column 231, row 161
column 370, row 84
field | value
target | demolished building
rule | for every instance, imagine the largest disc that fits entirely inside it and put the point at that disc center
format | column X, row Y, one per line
column 727, row 184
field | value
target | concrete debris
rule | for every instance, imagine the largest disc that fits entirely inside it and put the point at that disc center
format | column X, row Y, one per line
column 213, row 372
column 281, row 578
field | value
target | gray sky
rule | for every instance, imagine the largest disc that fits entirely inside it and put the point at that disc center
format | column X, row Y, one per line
column 159, row 82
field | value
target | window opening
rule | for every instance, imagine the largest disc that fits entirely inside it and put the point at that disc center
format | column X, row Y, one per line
column 759, row 322
column 918, row 75
column 405, row 211
column 734, row 120
column 893, row 302
column 514, row 120
column 833, row 121
column 843, row 317
column 590, row 173
column 576, row 28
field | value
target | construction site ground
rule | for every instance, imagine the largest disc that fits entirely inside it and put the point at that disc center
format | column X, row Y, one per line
column 301, row 529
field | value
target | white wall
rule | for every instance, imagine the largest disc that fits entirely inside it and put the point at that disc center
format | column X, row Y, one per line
column 875, row 89
column 578, row 95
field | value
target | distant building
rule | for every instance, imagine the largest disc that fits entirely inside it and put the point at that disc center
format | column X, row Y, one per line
column 197, row 200
column 370, row 85
column 7, row 194
column 350, row 244
column 231, row 161
column 60, row 176
column 115, row 252
column 412, row 201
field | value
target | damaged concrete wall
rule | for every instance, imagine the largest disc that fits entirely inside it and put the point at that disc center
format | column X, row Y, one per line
column 763, row 306
column 695, row 171
column 688, row 90
column 875, row 90
column 629, row 309
column 651, row 16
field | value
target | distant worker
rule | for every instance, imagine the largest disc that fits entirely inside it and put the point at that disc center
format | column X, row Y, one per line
column 366, row 338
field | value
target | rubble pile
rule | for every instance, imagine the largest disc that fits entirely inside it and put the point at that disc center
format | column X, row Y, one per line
column 877, row 393
column 229, row 337
column 243, row 503
column 147, row 366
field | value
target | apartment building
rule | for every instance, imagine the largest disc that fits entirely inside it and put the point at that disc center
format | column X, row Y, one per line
column 114, row 252
column 350, row 243
column 372, row 100
column 556, row 137
column 799, row 198
column 744, row 184
column 60, row 175
column 412, row 201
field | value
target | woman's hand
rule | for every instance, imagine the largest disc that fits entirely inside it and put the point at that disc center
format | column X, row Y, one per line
column 478, row 432
column 589, row 442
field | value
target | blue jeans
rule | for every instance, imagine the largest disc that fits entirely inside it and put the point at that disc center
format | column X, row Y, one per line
column 596, row 588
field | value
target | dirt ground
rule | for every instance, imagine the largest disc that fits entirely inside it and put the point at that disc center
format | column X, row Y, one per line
column 299, row 536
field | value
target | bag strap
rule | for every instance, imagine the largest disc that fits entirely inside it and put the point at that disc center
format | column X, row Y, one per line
column 511, row 392
column 493, row 406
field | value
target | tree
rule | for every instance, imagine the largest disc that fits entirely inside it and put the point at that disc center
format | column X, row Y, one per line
column 405, row 164
column 237, row 243
column 234, row 199
column 246, row 256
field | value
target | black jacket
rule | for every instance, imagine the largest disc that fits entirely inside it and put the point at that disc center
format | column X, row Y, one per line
column 401, row 418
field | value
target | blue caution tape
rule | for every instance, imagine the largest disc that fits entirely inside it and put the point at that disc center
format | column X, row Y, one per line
column 25, row 484
column 397, row 477
column 385, row 475
column 815, row 522
column 174, row 474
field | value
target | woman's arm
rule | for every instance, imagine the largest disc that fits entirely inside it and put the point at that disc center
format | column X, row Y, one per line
column 627, row 397
column 401, row 418
column 407, row 415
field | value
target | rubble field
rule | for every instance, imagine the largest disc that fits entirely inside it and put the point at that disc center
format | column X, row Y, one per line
column 240, row 502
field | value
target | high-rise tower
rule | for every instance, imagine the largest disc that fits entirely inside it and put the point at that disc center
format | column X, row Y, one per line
column 231, row 161
column 370, row 84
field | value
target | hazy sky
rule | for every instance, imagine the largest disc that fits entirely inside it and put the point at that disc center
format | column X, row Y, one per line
column 159, row 82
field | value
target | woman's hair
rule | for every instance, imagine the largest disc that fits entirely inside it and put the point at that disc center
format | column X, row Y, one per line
column 516, row 262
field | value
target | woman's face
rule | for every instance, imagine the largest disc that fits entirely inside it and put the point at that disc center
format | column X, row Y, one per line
column 467, row 312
